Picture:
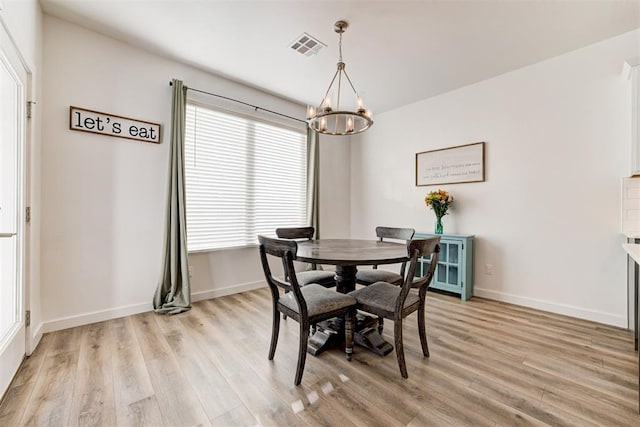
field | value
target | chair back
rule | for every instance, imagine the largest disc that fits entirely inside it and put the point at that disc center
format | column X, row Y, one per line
column 417, row 249
column 297, row 233
column 306, row 233
column 286, row 250
column 395, row 233
column 404, row 234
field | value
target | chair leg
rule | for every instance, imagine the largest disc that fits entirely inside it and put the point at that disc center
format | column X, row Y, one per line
column 302, row 351
column 350, row 319
column 275, row 330
column 380, row 325
column 422, row 330
column 284, row 316
column 399, row 347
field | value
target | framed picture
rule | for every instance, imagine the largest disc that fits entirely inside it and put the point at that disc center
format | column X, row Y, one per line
column 84, row 120
column 453, row 165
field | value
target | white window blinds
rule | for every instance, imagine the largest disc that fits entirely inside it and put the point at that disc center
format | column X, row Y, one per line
column 243, row 178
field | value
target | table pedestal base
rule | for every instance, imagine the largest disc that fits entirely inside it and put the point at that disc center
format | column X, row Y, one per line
column 327, row 336
column 330, row 334
column 371, row 339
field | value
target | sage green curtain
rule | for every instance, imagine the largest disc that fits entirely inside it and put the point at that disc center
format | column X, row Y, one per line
column 173, row 294
column 313, row 180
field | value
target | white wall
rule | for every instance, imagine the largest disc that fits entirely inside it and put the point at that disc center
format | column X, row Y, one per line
column 104, row 198
column 23, row 20
column 548, row 216
column 335, row 194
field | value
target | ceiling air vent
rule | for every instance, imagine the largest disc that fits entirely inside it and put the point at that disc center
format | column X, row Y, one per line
column 307, row 45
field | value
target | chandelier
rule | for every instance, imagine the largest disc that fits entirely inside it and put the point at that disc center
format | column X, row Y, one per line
column 324, row 118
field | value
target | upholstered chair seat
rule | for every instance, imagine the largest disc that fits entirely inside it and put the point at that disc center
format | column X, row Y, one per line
column 372, row 276
column 320, row 277
column 319, row 300
column 381, row 298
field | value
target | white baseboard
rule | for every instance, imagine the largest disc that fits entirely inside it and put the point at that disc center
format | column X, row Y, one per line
column 567, row 310
column 128, row 310
column 236, row 289
column 95, row 316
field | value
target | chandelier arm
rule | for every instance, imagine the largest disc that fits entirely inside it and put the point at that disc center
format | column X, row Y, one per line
column 328, row 89
column 350, row 84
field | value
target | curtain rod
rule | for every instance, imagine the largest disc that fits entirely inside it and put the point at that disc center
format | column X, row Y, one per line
column 243, row 103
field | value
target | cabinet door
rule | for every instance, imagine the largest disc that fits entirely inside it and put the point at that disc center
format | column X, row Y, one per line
column 422, row 268
column 635, row 119
column 448, row 272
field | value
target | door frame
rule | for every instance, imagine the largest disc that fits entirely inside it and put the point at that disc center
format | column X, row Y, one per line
column 23, row 183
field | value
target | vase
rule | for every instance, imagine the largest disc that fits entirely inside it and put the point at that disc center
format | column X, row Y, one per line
column 438, row 229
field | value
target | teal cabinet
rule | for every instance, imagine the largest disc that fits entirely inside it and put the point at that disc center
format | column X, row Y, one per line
column 454, row 272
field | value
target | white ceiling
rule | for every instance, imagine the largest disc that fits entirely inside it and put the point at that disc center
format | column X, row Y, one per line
column 396, row 52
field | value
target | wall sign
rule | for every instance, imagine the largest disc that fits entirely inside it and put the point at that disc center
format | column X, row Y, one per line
column 454, row 165
column 111, row 125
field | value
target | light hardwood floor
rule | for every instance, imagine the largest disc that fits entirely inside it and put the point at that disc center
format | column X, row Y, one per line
column 491, row 364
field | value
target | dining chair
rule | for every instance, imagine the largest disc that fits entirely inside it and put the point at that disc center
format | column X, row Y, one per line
column 307, row 305
column 321, row 277
column 368, row 277
column 396, row 302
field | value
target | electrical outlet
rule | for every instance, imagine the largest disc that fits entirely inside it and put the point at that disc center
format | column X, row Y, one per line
column 190, row 271
column 488, row 269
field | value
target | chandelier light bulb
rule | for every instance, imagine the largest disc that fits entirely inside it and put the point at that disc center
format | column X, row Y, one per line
column 327, row 103
column 349, row 124
column 311, row 111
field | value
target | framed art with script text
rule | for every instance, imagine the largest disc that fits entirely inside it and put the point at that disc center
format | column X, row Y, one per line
column 453, row 165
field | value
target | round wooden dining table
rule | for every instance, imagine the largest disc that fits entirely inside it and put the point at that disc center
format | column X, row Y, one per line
column 346, row 255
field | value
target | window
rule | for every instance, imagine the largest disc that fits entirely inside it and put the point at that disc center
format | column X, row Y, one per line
column 243, row 178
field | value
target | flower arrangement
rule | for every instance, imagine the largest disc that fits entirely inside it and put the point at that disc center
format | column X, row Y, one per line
column 439, row 201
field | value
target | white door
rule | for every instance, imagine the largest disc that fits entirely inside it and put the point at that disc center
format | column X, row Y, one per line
column 13, row 77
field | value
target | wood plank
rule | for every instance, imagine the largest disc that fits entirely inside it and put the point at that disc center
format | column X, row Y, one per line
column 22, row 386
column 144, row 412
column 532, row 384
column 65, row 341
column 50, row 402
column 134, row 395
column 259, row 396
column 215, row 394
column 176, row 399
column 93, row 401
column 239, row 416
